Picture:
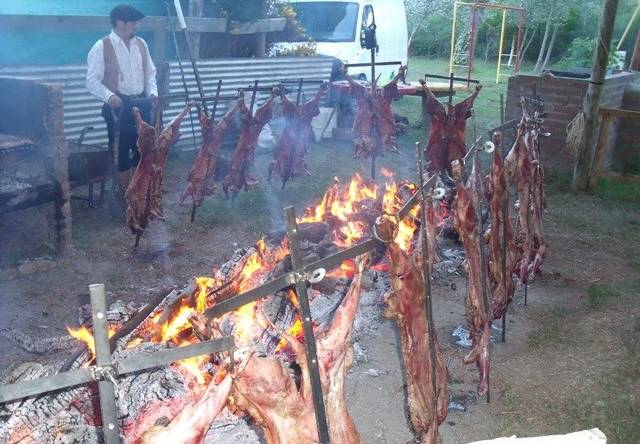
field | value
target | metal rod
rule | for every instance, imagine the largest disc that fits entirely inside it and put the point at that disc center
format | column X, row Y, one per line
column 450, row 88
column 192, row 56
column 447, row 77
column 483, row 256
column 146, row 361
column 500, row 48
column 526, row 286
column 310, row 340
column 108, row 409
column 299, row 91
column 453, row 37
column 253, row 95
column 501, row 108
column 356, row 65
column 182, row 76
column 426, row 270
column 504, row 326
column 72, row 378
column 215, row 99
column 505, row 219
column 328, row 263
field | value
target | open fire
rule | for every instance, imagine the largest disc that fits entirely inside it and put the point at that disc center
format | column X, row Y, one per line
column 349, row 210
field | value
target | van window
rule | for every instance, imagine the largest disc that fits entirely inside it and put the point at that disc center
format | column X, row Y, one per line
column 326, row 21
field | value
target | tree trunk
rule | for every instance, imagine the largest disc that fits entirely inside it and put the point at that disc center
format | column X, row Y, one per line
column 527, row 44
column 634, row 65
column 543, row 46
column 511, row 52
column 550, row 48
column 582, row 180
column 413, row 32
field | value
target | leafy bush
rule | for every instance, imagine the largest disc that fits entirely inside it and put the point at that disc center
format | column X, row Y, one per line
column 581, row 55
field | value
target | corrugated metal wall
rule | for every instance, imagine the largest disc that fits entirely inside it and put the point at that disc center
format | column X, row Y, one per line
column 81, row 109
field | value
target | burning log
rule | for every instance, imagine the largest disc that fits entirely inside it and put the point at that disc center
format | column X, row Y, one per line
column 427, row 400
column 374, row 127
column 478, row 313
column 191, row 424
column 202, row 172
column 251, row 125
column 267, row 390
column 447, row 134
column 288, row 157
column 144, row 194
column 503, row 253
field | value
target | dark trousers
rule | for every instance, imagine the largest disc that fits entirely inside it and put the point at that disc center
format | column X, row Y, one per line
column 128, row 155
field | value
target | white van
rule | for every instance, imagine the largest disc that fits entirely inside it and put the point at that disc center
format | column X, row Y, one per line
column 337, row 26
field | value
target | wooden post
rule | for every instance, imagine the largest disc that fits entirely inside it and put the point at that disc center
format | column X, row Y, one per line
column 600, row 148
column 159, row 46
column 634, row 65
column 584, row 161
column 196, row 9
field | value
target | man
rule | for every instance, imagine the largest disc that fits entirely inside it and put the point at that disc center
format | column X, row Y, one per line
column 120, row 70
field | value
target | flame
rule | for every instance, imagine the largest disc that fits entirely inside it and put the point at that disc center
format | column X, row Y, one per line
column 293, row 297
column 341, row 202
column 347, row 270
column 194, row 365
column 349, row 234
column 83, row 334
column 296, row 330
column 204, row 285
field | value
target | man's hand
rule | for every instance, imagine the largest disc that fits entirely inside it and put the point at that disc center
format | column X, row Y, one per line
column 114, row 101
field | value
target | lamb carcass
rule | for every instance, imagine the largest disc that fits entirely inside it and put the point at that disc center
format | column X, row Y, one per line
column 479, row 315
column 447, row 135
column 251, row 125
column 202, row 172
column 190, row 426
column 374, row 128
column 427, row 400
column 289, row 154
column 266, row 389
column 501, row 266
column 144, row 194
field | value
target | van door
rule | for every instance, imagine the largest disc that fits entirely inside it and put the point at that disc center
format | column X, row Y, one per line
column 384, row 29
column 368, row 18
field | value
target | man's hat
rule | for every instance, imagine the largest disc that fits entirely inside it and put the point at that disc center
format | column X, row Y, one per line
column 126, row 13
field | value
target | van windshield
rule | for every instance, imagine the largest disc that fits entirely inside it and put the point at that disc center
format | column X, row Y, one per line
column 326, row 21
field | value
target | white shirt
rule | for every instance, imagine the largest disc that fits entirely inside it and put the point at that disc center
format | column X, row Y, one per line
column 131, row 81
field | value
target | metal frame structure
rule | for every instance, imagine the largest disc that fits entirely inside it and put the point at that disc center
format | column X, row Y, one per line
column 106, row 371
column 474, row 34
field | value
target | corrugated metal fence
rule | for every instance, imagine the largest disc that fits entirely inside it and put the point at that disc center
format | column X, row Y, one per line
column 81, row 109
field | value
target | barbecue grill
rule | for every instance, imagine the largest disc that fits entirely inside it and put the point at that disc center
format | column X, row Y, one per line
column 34, row 188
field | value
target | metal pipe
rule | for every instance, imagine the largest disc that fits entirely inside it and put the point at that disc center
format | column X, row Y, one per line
column 310, row 340
column 628, row 28
column 356, row 65
column 426, row 272
column 182, row 76
column 108, row 409
column 483, row 257
column 453, row 36
column 504, row 21
column 183, row 25
column 459, row 79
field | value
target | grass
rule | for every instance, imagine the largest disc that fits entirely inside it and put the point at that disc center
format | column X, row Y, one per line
column 600, row 295
column 553, row 322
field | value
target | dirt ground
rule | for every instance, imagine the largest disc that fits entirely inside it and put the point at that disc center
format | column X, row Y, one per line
column 570, row 360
